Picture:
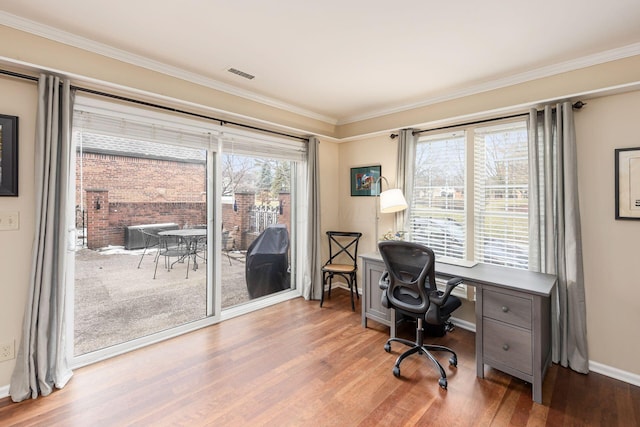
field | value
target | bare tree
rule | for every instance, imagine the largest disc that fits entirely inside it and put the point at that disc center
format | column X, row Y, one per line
column 236, row 174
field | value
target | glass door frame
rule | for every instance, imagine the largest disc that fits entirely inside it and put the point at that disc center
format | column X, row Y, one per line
column 214, row 312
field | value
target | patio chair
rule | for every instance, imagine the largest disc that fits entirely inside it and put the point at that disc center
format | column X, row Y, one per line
column 151, row 240
column 172, row 247
column 150, row 236
column 225, row 239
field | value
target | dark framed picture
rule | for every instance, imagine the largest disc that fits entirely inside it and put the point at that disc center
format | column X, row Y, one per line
column 627, row 161
column 8, row 155
column 364, row 181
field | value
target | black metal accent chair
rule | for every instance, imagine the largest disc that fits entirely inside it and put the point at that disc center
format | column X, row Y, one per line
column 409, row 288
column 343, row 261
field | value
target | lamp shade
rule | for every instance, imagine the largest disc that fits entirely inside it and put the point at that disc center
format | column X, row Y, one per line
column 392, row 200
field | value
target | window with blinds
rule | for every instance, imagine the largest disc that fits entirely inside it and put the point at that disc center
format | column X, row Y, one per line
column 470, row 195
column 501, row 179
column 438, row 214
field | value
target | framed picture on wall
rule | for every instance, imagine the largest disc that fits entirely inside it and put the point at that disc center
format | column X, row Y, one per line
column 364, row 181
column 8, row 155
column 627, row 162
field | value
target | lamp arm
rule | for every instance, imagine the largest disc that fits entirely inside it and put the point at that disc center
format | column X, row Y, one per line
column 375, row 236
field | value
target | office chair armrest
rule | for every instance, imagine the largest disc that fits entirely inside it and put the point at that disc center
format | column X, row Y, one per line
column 440, row 298
column 384, row 285
column 384, row 281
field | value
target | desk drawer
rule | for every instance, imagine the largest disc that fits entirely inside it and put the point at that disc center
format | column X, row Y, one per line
column 508, row 345
column 507, row 308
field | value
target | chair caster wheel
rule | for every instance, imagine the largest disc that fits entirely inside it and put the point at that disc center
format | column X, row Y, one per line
column 443, row 383
column 396, row 371
column 453, row 361
column 387, row 348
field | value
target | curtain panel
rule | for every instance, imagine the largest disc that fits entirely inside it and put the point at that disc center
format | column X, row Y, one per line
column 555, row 229
column 312, row 285
column 41, row 362
column 405, row 172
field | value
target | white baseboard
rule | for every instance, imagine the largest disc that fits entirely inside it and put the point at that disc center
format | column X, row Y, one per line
column 463, row 324
column 4, row 391
column 618, row 374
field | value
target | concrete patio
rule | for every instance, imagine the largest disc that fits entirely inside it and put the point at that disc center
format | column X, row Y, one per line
column 115, row 301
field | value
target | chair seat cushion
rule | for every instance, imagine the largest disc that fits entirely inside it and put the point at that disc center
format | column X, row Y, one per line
column 446, row 309
column 339, row 268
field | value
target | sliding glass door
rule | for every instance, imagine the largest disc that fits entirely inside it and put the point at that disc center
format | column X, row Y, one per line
column 177, row 222
column 141, row 251
column 256, row 227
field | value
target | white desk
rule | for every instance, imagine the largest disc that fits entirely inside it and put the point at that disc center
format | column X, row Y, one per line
column 513, row 315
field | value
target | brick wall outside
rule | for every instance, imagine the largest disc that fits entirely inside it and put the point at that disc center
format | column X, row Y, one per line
column 147, row 180
column 156, row 191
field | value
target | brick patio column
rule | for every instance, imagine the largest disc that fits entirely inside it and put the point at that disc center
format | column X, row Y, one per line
column 285, row 216
column 97, row 202
column 243, row 201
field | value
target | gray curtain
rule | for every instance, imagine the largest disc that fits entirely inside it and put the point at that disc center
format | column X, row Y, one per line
column 404, row 174
column 554, row 228
column 312, row 283
column 41, row 362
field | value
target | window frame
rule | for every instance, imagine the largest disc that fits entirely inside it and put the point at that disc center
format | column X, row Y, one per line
column 469, row 198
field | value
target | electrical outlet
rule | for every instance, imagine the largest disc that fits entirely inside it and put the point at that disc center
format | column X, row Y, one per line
column 7, row 351
column 9, row 220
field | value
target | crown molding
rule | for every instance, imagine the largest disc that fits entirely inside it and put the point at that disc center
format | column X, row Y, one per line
column 64, row 37
column 538, row 73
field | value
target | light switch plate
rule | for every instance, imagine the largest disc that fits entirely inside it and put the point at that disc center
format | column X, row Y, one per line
column 9, row 220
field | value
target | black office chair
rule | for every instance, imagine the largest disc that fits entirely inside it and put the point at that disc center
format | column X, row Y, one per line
column 343, row 261
column 409, row 287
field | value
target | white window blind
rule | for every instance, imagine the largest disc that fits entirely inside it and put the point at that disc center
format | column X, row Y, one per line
column 238, row 142
column 99, row 117
column 501, row 194
column 438, row 214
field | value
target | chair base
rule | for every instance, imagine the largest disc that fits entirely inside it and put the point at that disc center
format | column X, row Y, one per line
column 421, row 348
column 352, row 283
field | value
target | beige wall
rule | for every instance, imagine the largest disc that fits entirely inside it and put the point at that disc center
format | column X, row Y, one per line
column 17, row 98
column 606, row 123
column 610, row 247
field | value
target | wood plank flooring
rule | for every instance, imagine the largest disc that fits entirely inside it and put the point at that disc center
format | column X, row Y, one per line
column 296, row 364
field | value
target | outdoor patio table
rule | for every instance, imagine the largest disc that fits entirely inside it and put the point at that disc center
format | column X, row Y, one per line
column 190, row 237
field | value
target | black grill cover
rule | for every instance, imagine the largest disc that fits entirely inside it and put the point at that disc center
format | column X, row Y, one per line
column 267, row 268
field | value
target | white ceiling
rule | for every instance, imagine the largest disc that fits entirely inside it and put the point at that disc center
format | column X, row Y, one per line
column 344, row 60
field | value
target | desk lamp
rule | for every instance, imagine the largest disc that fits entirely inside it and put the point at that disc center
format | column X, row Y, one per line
column 388, row 201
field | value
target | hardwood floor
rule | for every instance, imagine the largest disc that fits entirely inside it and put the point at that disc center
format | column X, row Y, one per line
column 296, row 364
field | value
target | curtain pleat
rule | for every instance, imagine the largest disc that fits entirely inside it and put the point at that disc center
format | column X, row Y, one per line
column 405, row 173
column 312, row 283
column 556, row 241
column 41, row 362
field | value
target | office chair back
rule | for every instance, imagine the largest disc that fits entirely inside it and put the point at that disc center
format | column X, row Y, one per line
column 411, row 269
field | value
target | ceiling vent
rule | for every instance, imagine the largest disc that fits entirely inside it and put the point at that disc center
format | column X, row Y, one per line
column 241, row 73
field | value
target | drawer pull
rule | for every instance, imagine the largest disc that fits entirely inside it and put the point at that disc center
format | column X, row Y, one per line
column 505, row 347
column 505, row 309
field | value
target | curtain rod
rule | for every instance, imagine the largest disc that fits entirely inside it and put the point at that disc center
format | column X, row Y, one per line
column 576, row 106
column 161, row 107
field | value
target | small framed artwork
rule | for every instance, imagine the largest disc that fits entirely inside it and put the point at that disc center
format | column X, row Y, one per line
column 627, row 162
column 364, row 181
column 8, row 155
